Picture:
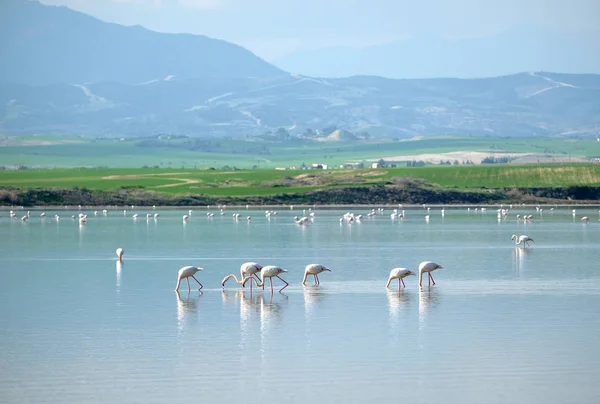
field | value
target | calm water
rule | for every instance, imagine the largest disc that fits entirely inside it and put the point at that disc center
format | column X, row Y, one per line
column 502, row 325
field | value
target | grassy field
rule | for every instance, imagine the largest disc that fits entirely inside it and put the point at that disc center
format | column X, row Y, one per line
column 268, row 182
column 61, row 152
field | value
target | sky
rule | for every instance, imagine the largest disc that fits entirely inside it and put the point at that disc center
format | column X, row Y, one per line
column 274, row 28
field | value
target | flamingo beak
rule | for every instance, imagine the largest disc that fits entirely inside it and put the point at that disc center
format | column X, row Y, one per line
column 284, row 270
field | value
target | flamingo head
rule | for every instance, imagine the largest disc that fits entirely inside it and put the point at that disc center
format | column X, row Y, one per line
column 281, row 270
column 410, row 273
column 326, row 269
column 258, row 268
column 514, row 237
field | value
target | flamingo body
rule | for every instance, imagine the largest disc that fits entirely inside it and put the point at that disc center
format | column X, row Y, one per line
column 270, row 271
column 186, row 273
column 522, row 239
column 400, row 274
column 427, row 267
column 120, row 254
column 314, row 270
column 246, row 269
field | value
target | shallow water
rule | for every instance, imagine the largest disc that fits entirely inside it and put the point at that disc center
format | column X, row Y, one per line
column 502, row 324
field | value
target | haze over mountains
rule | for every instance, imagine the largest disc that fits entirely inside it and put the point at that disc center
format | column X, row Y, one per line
column 521, row 49
column 64, row 72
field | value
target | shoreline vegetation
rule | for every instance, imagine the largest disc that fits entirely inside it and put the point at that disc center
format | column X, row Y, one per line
column 539, row 184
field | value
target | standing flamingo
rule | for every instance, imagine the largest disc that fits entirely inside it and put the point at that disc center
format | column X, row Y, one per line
column 120, row 254
column 247, row 268
column 400, row 274
column 270, row 271
column 522, row 239
column 187, row 272
column 428, row 267
column 314, row 270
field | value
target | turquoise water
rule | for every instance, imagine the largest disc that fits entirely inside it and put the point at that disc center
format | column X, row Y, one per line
column 503, row 324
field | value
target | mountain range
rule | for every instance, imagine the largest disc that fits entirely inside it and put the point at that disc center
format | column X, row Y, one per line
column 64, row 72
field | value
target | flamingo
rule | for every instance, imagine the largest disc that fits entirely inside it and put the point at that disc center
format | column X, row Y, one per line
column 120, row 254
column 400, row 274
column 270, row 271
column 585, row 219
column 521, row 239
column 314, row 270
column 427, row 266
column 185, row 273
column 247, row 268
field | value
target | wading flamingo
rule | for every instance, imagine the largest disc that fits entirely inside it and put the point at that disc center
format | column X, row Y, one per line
column 522, row 239
column 247, row 268
column 270, row 271
column 186, row 273
column 120, row 254
column 400, row 274
column 314, row 270
column 427, row 267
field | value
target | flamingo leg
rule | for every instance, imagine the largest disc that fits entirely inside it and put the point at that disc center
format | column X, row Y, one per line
column 315, row 276
column 286, row 284
column 271, row 280
column 403, row 285
column 201, row 286
column 188, row 281
column 431, row 277
column 318, row 280
column 399, row 284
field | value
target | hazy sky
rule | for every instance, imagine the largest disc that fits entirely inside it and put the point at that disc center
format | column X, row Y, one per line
column 272, row 28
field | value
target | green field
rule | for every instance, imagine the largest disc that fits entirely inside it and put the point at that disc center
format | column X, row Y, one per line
column 268, row 182
column 62, row 152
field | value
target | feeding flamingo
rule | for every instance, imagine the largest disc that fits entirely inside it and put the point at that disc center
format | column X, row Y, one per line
column 247, row 268
column 186, row 273
column 522, row 239
column 270, row 271
column 427, row 267
column 400, row 274
column 314, row 270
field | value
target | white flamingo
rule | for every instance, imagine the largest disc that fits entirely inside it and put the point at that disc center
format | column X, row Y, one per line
column 120, row 254
column 522, row 239
column 427, row 267
column 186, row 273
column 246, row 269
column 585, row 219
column 314, row 270
column 400, row 274
column 270, row 271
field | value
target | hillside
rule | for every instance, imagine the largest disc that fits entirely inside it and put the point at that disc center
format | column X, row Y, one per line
column 43, row 44
column 527, row 104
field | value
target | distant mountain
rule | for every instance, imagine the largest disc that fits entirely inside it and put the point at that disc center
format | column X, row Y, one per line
column 524, row 104
column 43, row 44
column 516, row 50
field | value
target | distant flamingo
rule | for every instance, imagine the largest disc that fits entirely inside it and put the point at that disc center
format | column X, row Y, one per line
column 314, row 270
column 247, row 268
column 120, row 254
column 427, row 267
column 400, row 274
column 522, row 239
column 270, row 272
column 186, row 273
